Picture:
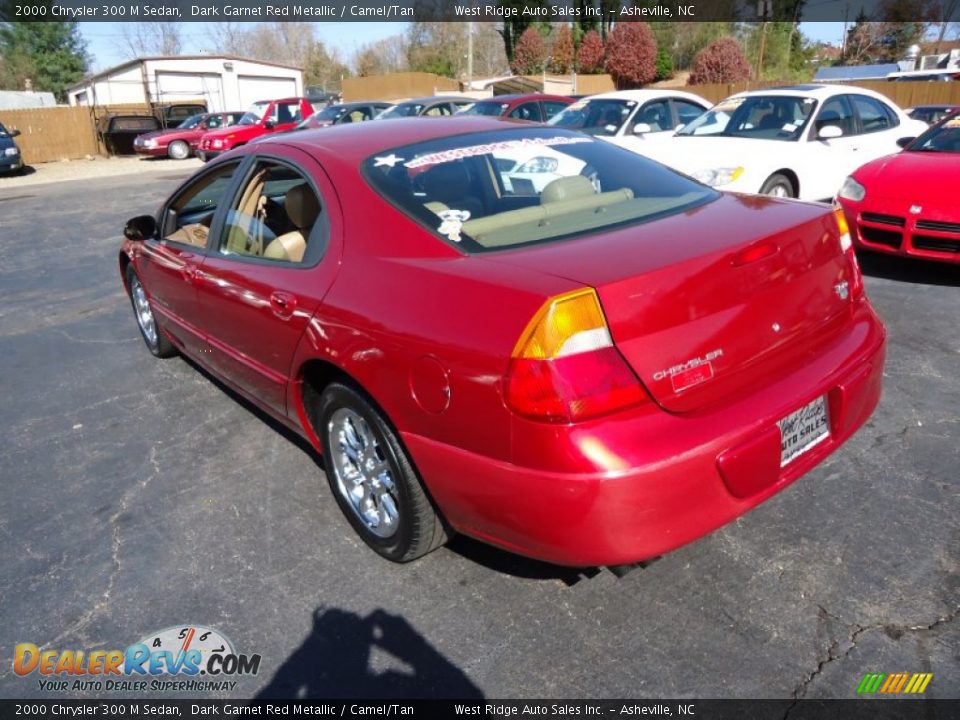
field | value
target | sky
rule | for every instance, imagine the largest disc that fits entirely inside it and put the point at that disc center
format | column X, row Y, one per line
column 105, row 40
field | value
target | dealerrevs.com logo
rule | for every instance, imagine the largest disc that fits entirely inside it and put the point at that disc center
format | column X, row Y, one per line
column 188, row 658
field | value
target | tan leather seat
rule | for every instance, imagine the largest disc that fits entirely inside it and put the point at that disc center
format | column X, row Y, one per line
column 303, row 209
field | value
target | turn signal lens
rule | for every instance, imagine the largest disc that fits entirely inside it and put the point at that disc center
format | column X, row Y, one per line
column 846, row 246
column 565, row 368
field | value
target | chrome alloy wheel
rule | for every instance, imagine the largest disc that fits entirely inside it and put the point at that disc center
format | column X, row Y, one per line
column 363, row 475
column 143, row 312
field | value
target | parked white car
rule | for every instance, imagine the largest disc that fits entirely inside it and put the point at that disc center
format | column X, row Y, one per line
column 799, row 141
column 634, row 119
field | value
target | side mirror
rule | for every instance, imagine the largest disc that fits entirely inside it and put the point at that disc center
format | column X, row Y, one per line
column 641, row 129
column 269, row 124
column 903, row 142
column 13, row 133
column 140, row 228
column 829, row 132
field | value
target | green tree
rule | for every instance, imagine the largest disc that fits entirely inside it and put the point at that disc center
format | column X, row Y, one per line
column 52, row 55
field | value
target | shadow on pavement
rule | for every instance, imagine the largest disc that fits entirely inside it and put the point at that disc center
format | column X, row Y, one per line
column 905, row 269
column 338, row 658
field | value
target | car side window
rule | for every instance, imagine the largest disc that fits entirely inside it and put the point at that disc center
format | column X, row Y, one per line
column 873, row 114
column 438, row 110
column 551, row 108
column 836, row 111
column 288, row 113
column 687, row 111
column 188, row 218
column 214, row 121
column 277, row 216
column 656, row 114
column 527, row 111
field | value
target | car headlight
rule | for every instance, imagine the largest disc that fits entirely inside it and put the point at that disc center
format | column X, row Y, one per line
column 852, row 190
column 538, row 165
column 10, row 152
column 718, row 176
column 149, row 143
column 218, row 143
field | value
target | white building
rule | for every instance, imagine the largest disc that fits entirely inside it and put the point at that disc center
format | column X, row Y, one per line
column 224, row 82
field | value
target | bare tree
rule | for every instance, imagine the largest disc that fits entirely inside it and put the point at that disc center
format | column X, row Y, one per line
column 941, row 13
column 225, row 37
column 152, row 38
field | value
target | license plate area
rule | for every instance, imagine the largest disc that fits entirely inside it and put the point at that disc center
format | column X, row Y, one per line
column 803, row 429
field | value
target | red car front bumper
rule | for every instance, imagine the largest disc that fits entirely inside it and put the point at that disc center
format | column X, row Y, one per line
column 668, row 479
column 891, row 227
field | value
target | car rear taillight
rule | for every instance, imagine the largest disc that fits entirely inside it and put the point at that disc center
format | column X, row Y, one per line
column 846, row 246
column 565, row 368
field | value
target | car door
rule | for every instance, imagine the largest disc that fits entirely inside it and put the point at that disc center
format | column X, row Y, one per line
column 878, row 125
column 825, row 163
column 276, row 256
column 654, row 113
column 169, row 262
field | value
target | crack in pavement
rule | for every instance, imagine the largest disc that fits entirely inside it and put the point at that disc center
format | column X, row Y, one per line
column 79, row 625
column 892, row 630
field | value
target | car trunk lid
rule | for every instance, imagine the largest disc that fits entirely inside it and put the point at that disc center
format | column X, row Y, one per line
column 715, row 300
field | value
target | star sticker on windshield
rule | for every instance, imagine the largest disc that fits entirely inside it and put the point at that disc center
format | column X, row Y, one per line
column 389, row 160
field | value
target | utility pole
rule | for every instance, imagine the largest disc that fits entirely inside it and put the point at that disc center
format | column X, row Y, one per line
column 763, row 10
column 470, row 55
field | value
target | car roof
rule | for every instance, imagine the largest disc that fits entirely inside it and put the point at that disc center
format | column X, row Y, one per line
column 645, row 94
column 354, row 142
column 510, row 97
column 435, row 98
column 813, row 90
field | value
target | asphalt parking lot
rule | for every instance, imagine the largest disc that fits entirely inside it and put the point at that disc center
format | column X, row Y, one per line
column 140, row 495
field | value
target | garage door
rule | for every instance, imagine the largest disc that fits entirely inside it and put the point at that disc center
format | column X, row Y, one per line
column 253, row 89
column 191, row 87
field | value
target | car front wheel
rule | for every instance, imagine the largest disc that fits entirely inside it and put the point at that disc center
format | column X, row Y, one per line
column 178, row 150
column 373, row 480
column 778, row 185
column 156, row 342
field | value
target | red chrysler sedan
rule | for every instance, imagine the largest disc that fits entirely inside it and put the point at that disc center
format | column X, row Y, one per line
column 182, row 141
column 591, row 374
column 907, row 204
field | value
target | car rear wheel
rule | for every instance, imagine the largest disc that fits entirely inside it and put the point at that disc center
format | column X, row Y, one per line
column 373, row 480
column 156, row 342
column 778, row 185
column 178, row 150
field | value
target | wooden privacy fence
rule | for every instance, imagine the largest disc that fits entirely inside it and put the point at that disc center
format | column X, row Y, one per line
column 52, row 133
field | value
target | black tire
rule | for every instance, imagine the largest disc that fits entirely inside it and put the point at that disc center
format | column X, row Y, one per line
column 158, row 344
column 417, row 529
column 178, row 150
column 777, row 183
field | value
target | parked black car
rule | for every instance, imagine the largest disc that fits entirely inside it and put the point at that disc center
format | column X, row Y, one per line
column 10, row 158
column 119, row 131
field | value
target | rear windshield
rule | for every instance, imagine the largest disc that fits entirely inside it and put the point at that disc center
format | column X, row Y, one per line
column 503, row 189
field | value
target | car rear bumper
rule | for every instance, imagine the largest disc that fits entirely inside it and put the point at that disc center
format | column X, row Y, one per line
column 661, row 480
column 894, row 230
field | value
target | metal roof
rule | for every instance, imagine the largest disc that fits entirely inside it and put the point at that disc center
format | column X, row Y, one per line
column 856, row 72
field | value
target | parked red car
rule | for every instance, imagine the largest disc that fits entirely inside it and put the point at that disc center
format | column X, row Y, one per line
column 263, row 117
column 536, row 107
column 906, row 204
column 180, row 142
column 593, row 374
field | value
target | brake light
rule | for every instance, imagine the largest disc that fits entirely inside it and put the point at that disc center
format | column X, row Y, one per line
column 565, row 368
column 846, row 246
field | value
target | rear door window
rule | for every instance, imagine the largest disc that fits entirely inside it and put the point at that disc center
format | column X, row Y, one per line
column 277, row 216
column 874, row 115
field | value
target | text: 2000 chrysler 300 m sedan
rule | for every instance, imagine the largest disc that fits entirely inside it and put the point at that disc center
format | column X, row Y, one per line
column 591, row 375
